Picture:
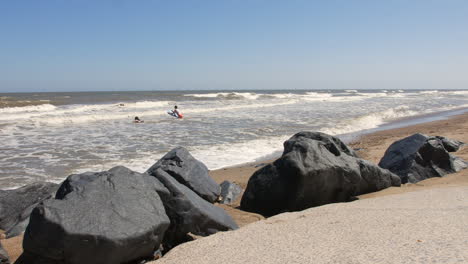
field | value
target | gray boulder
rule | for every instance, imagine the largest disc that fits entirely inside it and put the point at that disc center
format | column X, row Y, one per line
column 451, row 145
column 229, row 192
column 189, row 213
column 16, row 205
column 315, row 169
column 419, row 157
column 188, row 171
column 4, row 258
column 114, row 216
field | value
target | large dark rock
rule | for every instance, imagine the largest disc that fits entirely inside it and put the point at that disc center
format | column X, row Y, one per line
column 114, row 216
column 419, row 157
column 315, row 169
column 229, row 192
column 16, row 205
column 189, row 172
column 4, row 258
column 189, row 213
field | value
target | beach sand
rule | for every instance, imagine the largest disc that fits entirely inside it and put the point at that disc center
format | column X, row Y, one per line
column 410, row 227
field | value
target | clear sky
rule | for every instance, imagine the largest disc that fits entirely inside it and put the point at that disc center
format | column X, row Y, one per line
column 86, row 45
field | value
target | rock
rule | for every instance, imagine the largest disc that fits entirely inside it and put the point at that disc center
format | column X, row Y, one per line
column 189, row 213
column 419, row 157
column 315, row 169
column 16, row 205
column 229, row 192
column 114, row 216
column 189, row 172
column 28, row 258
column 4, row 258
column 450, row 145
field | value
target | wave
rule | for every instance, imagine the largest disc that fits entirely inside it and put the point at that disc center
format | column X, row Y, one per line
column 97, row 113
column 213, row 156
column 50, row 114
column 429, row 92
column 308, row 96
column 148, row 104
column 456, row 93
column 227, row 96
column 29, row 108
column 370, row 121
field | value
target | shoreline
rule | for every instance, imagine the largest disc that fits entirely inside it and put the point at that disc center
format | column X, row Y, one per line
column 395, row 129
column 349, row 138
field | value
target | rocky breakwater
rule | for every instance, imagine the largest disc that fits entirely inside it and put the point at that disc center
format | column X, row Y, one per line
column 315, row 169
column 120, row 216
column 419, row 157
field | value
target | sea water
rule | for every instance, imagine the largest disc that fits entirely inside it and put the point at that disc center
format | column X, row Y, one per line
column 48, row 136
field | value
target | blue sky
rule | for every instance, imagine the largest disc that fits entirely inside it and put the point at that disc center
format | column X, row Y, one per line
column 88, row 45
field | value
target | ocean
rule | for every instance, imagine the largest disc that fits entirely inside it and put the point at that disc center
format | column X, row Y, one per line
column 48, row 136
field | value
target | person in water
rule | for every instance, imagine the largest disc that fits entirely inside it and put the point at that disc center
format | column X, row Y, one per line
column 176, row 112
column 137, row 120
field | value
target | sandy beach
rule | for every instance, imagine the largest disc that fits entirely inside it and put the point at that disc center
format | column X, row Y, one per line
column 413, row 226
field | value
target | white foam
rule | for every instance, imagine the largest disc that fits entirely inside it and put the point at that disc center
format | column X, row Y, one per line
column 225, row 155
column 241, row 106
column 207, row 95
column 457, row 92
column 372, row 95
column 351, row 91
column 232, row 95
column 429, row 92
column 148, row 104
column 49, row 114
column 369, row 121
column 28, row 109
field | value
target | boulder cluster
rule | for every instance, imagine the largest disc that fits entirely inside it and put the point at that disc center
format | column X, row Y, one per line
column 317, row 169
column 122, row 216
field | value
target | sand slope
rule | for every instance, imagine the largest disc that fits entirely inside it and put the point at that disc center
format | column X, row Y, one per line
column 429, row 226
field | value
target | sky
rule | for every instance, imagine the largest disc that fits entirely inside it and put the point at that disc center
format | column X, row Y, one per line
column 88, row 45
